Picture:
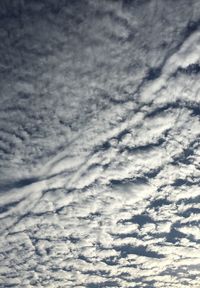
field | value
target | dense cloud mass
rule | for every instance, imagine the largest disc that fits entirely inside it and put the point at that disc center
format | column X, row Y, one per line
column 100, row 143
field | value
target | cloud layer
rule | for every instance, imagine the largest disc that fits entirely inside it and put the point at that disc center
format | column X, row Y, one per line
column 99, row 144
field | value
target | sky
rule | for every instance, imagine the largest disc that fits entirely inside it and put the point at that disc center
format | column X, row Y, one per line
column 100, row 143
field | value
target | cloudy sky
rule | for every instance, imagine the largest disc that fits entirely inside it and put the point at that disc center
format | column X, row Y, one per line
column 100, row 143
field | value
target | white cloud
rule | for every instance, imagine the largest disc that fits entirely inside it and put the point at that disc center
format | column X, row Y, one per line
column 99, row 145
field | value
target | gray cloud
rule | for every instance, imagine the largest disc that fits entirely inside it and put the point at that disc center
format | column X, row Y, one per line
column 99, row 144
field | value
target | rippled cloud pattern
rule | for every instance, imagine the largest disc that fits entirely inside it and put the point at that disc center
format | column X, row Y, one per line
column 100, row 143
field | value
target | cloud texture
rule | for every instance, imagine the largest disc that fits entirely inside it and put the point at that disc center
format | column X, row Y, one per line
column 100, row 144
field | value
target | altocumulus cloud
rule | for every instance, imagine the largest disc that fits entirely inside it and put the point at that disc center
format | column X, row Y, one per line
column 99, row 143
